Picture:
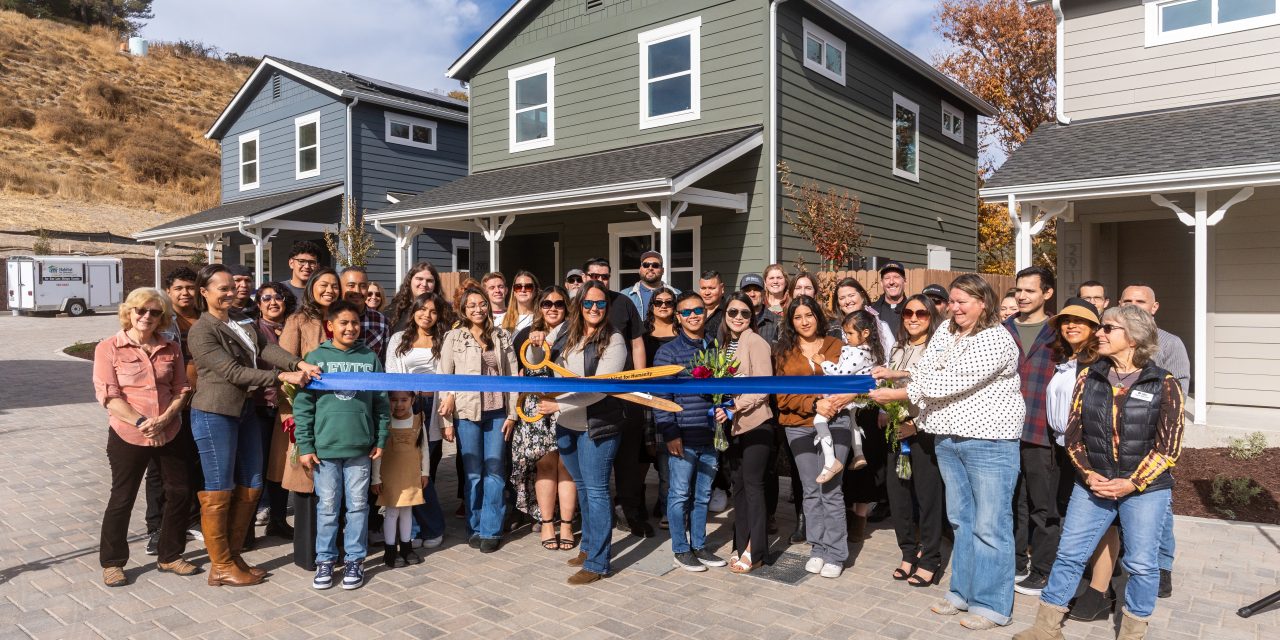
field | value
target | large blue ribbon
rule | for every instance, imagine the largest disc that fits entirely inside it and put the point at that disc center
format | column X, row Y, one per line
column 735, row 386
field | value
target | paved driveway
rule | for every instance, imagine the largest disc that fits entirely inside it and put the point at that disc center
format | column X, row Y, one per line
column 54, row 485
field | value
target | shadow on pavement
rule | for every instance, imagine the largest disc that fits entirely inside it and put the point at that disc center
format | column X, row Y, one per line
column 44, row 383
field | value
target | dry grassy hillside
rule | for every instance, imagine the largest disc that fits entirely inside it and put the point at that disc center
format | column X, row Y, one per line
column 82, row 123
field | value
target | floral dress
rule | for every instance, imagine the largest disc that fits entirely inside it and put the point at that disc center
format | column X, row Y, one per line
column 529, row 443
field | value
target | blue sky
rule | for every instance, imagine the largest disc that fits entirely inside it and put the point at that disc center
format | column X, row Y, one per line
column 412, row 41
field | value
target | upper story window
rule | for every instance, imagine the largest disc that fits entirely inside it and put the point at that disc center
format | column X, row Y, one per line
column 952, row 122
column 1177, row 20
column 409, row 131
column 670, row 74
column 532, row 108
column 906, row 138
column 823, row 52
column 248, row 143
column 306, row 130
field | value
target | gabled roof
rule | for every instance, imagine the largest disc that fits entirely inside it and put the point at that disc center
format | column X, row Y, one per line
column 496, row 35
column 1232, row 135
column 344, row 85
column 247, row 210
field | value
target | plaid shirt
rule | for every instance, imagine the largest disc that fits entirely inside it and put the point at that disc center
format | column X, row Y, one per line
column 376, row 331
column 1036, row 369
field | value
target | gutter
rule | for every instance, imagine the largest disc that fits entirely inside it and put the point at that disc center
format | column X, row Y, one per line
column 1060, row 73
column 346, row 190
column 773, row 130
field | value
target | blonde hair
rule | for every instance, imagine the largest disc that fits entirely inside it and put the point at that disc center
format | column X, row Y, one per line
column 140, row 297
column 1141, row 327
column 977, row 287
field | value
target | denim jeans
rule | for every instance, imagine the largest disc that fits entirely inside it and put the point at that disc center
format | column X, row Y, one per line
column 484, row 453
column 337, row 480
column 428, row 516
column 689, row 487
column 589, row 463
column 1142, row 518
column 979, row 476
column 1167, row 544
column 230, row 448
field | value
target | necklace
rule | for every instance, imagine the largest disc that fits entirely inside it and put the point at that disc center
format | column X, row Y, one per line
column 1123, row 379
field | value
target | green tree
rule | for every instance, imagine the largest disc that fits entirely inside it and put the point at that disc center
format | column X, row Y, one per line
column 127, row 16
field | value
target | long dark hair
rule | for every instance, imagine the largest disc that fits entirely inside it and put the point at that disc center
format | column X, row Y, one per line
column 202, row 282
column 578, row 321
column 310, row 308
column 436, row 332
column 404, row 298
column 787, row 337
column 900, row 332
column 648, row 314
column 540, row 323
column 835, row 296
column 1062, row 350
column 724, row 336
column 863, row 320
column 290, row 301
column 486, row 326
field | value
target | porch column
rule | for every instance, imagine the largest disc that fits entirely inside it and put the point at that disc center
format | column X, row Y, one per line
column 260, row 241
column 406, row 249
column 210, row 244
column 159, row 251
column 1026, row 224
column 665, row 220
column 494, row 229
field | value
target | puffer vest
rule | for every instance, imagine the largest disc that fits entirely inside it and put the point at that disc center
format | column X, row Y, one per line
column 1138, row 421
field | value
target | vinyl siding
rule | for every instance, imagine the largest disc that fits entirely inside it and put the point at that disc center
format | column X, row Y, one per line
column 840, row 136
column 1110, row 71
column 276, row 143
column 596, row 89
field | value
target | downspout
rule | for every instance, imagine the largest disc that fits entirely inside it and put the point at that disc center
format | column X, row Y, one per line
column 346, row 189
column 1060, row 72
column 773, row 130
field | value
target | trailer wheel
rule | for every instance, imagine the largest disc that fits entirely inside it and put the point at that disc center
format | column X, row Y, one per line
column 76, row 308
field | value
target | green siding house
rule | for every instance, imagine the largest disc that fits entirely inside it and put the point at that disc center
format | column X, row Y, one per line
column 611, row 127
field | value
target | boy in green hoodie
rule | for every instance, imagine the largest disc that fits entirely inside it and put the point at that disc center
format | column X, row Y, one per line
column 339, row 434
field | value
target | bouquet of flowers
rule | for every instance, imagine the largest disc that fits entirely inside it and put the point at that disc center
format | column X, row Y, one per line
column 715, row 362
column 288, row 426
column 897, row 412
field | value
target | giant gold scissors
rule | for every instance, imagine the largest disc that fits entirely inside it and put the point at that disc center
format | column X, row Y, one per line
column 641, row 398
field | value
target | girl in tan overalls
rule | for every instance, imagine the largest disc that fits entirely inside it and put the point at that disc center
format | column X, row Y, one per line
column 399, row 477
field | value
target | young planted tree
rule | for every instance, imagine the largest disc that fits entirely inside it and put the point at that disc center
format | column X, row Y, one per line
column 1004, row 52
column 827, row 218
column 351, row 245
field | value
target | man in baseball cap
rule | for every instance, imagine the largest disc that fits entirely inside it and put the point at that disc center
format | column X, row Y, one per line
column 938, row 294
column 573, row 282
column 893, row 281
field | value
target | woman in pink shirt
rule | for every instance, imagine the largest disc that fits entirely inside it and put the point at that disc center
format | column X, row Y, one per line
column 140, row 379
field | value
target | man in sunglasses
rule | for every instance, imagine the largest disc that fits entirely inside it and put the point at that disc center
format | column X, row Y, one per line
column 573, row 282
column 651, row 272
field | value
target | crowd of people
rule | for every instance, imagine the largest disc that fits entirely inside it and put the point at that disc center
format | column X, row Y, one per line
column 1040, row 444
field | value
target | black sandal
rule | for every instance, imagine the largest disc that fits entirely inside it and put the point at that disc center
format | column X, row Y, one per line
column 899, row 574
column 916, row 580
column 571, row 543
column 553, row 543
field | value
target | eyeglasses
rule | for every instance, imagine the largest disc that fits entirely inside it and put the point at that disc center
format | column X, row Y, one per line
column 650, row 265
column 574, row 280
column 274, row 298
column 595, row 304
column 919, row 314
column 552, row 304
column 1108, row 328
column 522, row 286
column 474, row 307
column 696, row 311
column 142, row 312
column 664, row 302
column 306, row 263
column 601, row 277
column 738, row 313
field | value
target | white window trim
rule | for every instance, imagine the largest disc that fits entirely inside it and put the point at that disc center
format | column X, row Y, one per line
column 391, row 117
column 811, row 29
column 956, row 115
column 1155, row 38
column 548, row 67
column 298, row 123
column 246, row 137
column 618, row 230
column 247, row 259
column 459, row 243
column 692, row 28
column 900, row 101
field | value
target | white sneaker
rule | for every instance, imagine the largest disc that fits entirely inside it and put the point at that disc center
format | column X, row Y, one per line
column 431, row 543
column 194, row 533
column 814, row 565
column 719, row 501
column 263, row 516
column 830, row 570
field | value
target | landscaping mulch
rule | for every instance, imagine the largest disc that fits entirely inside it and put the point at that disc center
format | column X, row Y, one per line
column 82, row 350
column 1197, row 468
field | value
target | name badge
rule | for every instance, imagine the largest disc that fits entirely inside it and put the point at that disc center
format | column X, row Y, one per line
column 1142, row 395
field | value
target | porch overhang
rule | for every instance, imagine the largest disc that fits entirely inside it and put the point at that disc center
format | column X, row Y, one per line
column 1212, row 179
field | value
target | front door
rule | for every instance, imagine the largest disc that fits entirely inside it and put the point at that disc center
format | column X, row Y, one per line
column 534, row 252
column 99, row 285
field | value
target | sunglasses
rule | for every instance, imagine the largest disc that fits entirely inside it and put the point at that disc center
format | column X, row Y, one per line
column 522, row 286
column 696, row 311
column 738, row 313
column 664, row 302
column 650, row 265
column 598, row 276
column 278, row 298
column 574, row 280
column 552, row 304
column 1108, row 328
column 154, row 313
column 595, row 304
column 919, row 314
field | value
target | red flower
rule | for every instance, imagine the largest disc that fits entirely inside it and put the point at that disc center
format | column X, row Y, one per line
column 700, row 372
column 732, row 370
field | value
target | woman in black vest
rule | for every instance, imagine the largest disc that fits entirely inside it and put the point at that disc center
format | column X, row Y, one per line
column 1124, row 433
column 588, row 424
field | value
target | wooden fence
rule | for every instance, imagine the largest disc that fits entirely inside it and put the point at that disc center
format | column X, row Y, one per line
column 918, row 279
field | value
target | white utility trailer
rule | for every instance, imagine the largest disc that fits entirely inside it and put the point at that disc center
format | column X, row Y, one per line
column 74, row 285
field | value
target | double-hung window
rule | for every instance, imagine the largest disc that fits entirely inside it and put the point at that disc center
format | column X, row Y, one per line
column 823, row 52
column 952, row 122
column 409, row 131
column 906, row 138
column 249, row 162
column 670, row 74
column 1177, row 20
column 532, row 108
column 306, row 130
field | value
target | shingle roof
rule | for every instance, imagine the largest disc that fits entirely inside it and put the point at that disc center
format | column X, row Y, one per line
column 242, row 208
column 1202, row 137
column 356, row 83
column 656, row 160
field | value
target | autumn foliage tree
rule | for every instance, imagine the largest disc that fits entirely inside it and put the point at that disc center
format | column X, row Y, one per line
column 827, row 218
column 1004, row 52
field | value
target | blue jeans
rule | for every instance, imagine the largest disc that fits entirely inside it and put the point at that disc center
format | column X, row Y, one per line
column 1142, row 518
column 590, row 463
column 689, row 483
column 429, row 517
column 1167, row 544
column 230, row 448
column 336, row 480
column 484, row 453
column 979, row 476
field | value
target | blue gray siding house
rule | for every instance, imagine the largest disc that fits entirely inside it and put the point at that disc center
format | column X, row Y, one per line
column 297, row 138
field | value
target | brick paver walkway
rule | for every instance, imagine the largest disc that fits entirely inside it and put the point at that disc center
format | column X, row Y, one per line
column 55, row 482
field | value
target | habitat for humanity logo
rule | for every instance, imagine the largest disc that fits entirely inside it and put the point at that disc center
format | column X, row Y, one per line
column 61, row 273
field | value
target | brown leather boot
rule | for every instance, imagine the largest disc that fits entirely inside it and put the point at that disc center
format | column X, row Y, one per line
column 244, row 506
column 215, row 514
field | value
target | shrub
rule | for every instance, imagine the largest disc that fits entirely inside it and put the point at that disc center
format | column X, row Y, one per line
column 186, row 49
column 43, row 245
column 238, row 60
column 64, row 125
column 1247, row 448
column 101, row 99
column 14, row 117
column 1230, row 494
column 163, row 156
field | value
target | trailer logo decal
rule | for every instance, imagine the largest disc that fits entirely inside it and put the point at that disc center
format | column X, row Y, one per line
column 61, row 273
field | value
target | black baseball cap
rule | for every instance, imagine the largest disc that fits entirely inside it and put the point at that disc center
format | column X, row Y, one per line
column 936, row 292
column 893, row 265
column 751, row 280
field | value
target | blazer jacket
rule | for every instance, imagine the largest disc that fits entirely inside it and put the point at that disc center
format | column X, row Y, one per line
column 226, row 368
